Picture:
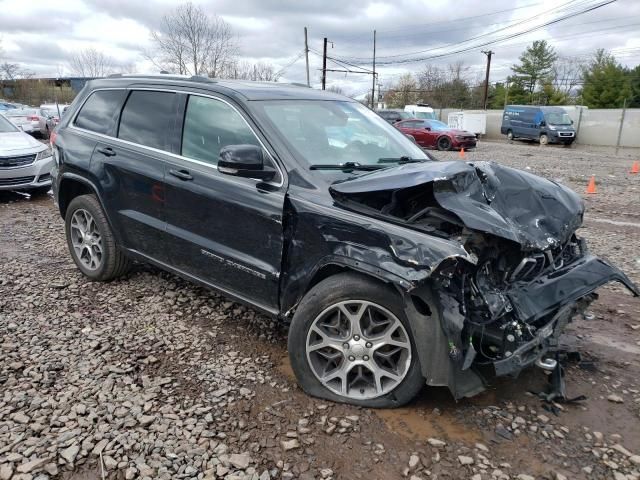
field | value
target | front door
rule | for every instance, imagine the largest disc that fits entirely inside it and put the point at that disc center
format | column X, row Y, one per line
column 224, row 230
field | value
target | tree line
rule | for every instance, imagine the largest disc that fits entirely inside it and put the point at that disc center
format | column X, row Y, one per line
column 541, row 77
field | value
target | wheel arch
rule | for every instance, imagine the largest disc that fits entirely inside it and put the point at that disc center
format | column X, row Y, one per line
column 71, row 186
column 337, row 266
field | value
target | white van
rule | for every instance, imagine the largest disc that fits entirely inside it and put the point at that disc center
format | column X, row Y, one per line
column 421, row 110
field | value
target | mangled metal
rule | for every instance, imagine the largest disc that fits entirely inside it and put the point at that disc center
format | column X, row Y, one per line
column 518, row 278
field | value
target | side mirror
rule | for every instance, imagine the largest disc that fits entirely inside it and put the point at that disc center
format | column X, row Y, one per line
column 428, row 129
column 543, row 123
column 244, row 161
column 571, row 122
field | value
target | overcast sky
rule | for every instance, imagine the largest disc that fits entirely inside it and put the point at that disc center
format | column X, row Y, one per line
column 43, row 35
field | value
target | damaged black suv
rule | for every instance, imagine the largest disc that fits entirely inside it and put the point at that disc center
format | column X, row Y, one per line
column 394, row 270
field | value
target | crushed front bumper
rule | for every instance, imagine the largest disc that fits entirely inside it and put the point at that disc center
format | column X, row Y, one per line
column 558, row 292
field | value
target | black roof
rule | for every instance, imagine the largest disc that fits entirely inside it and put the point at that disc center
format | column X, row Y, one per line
column 246, row 89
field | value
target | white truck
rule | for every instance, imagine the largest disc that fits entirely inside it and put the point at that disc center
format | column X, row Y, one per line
column 421, row 110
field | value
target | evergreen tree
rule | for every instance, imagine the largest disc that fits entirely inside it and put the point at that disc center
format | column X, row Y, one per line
column 606, row 82
column 634, row 84
column 536, row 65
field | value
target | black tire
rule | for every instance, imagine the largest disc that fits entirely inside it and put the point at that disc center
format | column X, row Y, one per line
column 335, row 289
column 510, row 136
column 114, row 263
column 444, row 143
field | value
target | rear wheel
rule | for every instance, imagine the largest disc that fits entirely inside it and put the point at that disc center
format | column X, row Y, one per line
column 444, row 143
column 544, row 139
column 91, row 241
column 350, row 341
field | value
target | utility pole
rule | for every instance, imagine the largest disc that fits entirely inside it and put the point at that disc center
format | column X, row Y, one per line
column 373, row 81
column 486, row 81
column 324, row 64
column 306, row 54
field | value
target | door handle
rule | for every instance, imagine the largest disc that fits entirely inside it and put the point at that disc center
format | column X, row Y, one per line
column 107, row 151
column 181, row 174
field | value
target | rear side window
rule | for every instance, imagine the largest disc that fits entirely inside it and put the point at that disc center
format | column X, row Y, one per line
column 209, row 125
column 146, row 118
column 98, row 112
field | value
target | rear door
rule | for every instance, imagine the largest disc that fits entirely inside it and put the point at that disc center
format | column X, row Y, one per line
column 131, row 169
column 223, row 229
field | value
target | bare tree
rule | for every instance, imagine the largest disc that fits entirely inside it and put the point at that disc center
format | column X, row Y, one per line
column 260, row 71
column 567, row 74
column 90, row 62
column 336, row 89
column 14, row 71
column 191, row 42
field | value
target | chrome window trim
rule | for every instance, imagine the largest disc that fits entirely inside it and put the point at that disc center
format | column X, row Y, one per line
column 281, row 170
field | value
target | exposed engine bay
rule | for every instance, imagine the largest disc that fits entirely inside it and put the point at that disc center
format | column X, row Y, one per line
column 530, row 273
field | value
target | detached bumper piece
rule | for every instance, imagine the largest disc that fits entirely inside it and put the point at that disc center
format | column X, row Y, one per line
column 559, row 291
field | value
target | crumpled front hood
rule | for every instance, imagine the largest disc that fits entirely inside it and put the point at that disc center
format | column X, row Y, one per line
column 487, row 197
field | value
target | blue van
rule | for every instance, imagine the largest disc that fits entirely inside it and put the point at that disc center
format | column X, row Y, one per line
column 545, row 124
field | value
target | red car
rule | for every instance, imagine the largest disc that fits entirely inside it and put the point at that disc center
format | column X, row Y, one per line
column 436, row 134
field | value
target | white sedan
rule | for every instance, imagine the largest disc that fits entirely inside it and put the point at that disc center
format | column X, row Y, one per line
column 25, row 163
column 26, row 119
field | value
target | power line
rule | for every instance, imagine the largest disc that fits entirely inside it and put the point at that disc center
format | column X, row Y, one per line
column 511, row 25
column 502, row 39
column 454, row 20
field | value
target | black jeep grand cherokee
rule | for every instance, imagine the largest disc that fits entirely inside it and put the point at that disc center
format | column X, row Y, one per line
column 392, row 268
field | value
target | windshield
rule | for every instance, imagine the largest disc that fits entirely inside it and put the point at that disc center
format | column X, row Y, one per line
column 334, row 132
column 6, row 126
column 425, row 115
column 556, row 118
column 437, row 125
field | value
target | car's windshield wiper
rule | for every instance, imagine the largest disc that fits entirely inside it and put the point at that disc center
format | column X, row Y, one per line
column 400, row 160
column 345, row 166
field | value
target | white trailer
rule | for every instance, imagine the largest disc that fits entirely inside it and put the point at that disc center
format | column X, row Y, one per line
column 472, row 122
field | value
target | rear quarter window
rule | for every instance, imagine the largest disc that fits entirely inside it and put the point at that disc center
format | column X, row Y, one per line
column 100, row 110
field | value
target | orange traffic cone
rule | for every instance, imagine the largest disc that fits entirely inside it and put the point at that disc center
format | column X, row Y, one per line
column 591, row 188
column 462, row 152
column 635, row 168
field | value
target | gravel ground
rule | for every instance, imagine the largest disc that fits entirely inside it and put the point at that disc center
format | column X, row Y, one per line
column 152, row 377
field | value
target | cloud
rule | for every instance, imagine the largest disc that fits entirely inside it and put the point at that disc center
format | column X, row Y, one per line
column 43, row 36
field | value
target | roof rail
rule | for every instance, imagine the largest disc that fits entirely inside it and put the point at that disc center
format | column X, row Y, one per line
column 298, row 84
column 114, row 75
column 200, row 78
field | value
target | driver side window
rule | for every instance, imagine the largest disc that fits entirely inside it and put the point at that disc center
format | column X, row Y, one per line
column 210, row 125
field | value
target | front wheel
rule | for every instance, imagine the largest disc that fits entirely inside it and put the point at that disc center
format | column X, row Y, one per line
column 544, row 139
column 510, row 136
column 444, row 143
column 350, row 341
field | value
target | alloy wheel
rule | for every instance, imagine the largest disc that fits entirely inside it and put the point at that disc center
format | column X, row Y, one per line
column 86, row 239
column 358, row 349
